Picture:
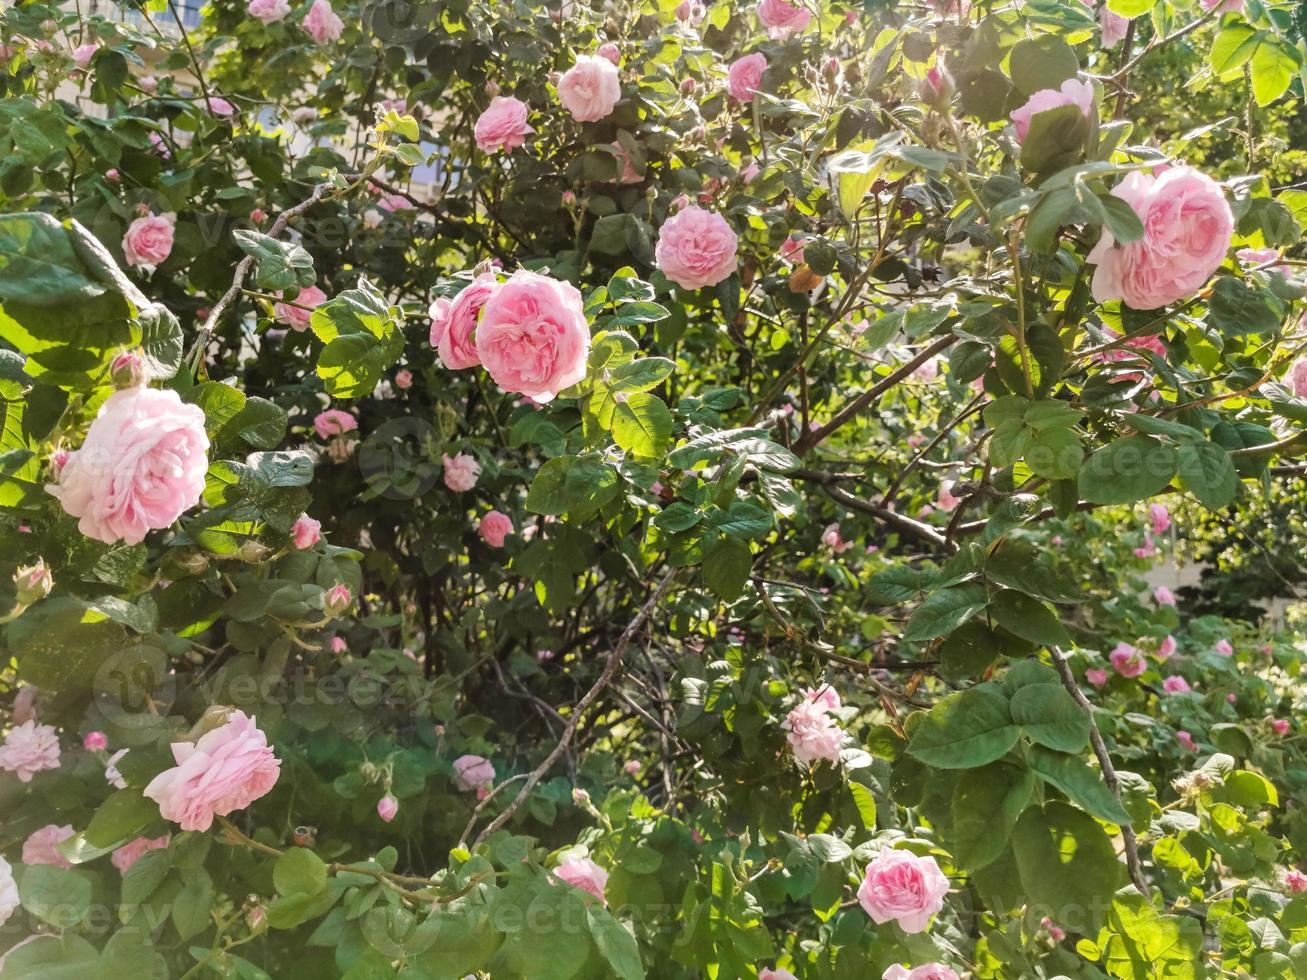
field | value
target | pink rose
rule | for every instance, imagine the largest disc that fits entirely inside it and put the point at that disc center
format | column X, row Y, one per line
column 306, row 532
column 782, row 18
column 39, row 848
column 322, row 23
column 453, row 322
column 473, row 772
column 1295, row 881
column 1187, row 740
column 927, row 971
column 1072, row 92
column 791, row 250
column 9, row 900
column 337, row 600
column 902, row 887
column 1251, row 258
column 334, row 422
column 83, row 53
column 387, row 807
column 830, row 537
column 696, row 248
column 1160, row 518
column 1166, row 649
column 533, row 337
column 494, row 528
column 1096, row 676
column 461, row 471
column 503, row 125
column 268, row 11
column 945, row 500
column 775, row 974
column 590, row 88
column 584, row 874
column 825, row 696
column 131, row 852
column 1175, row 684
column 95, row 742
column 338, row 645
column 744, row 77
column 220, row 107
column 28, row 749
column 1298, row 378
column 632, row 767
column 610, row 51
column 1187, row 231
column 1278, row 725
column 226, row 770
column 1126, row 660
column 148, row 241
column 749, row 171
column 1055, row 932
column 142, row 466
column 403, row 379
column 292, row 312
column 1223, row 648
column 813, row 735
column 1163, row 596
column 1111, row 27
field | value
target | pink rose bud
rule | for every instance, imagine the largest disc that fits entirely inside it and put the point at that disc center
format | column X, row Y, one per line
column 1187, row 740
column 610, row 51
column 831, row 67
column 403, row 379
column 569, row 199
column 387, row 807
column 128, row 370
column 112, row 175
column 148, row 83
column 338, row 645
column 33, row 582
column 1055, row 932
column 256, row 920
column 95, row 742
column 1096, row 676
column 580, row 797
column 632, row 767
column 937, row 87
column 306, row 532
column 1280, row 726
column 1223, row 648
column 688, row 86
column 258, row 216
column 1232, row 697
column 337, row 600
column 252, row 552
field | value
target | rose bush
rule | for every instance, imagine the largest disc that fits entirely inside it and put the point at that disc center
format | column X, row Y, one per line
column 650, row 489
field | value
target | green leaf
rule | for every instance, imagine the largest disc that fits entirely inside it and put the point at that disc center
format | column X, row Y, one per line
column 1051, row 717
column 642, row 424
column 641, row 374
column 1207, row 472
column 615, row 943
column 1237, row 309
column 1275, row 64
column 59, row 896
column 985, row 807
column 1082, row 784
column 120, row 818
column 944, row 611
column 281, row 265
column 965, row 730
column 1129, row 469
column 1144, row 944
column 1233, row 46
column 299, row 872
column 1042, row 62
column 727, row 563
column 1068, row 867
column 1028, row 618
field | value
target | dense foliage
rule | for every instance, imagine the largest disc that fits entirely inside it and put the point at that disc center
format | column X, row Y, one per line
column 650, row 489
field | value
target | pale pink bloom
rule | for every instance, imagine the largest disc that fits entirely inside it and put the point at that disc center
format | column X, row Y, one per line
column 830, row 537
column 1280, row 726
column 226, row 770
column 813, row 735
column 533, row 337
column 148, row 84
column 610, row 51
column 1295, row 881
column 782, row 18
column 494, row 528
column 825, row 696
column 40, row 846
column 142, row 466
column 696, row 248
column 323, row 23
column 1096, row 676
column 1056, row 540
column 83, row 53
column 927, row 971
column 268, row 11
column 590, row 88
column 334, row 422
column 131, row 852
column 112, row 175
column 582, row 873
column 899, row 886
column 749, row 171
column 1149, row 549
column 1187, row 740
column 403, row 379
column 220, row 107
column 1254, row 257
column 1231, row 697
column 1111, row 27
column 946, row 501
column 28, row 749
column 461, row 471
column 473, row 772
column 503, row 125
column 95, row 742
column 1163, row 596
column 1223, row 648
column 290, row 312
column 791, row 250
column 632, row 767
column 160, row 146
column 1072, row 92
column 148, row 241
column 1298, row 378
column 306, row 532
column 744, row 77
column 338, row 645
column 394, row 202
column 454, row 322
column 1160, row 518
column 387, row 807
column 1187, row 229
column 1166, row 649
column 9, row 900
column 1175, row 684
column 927, row 371
column 1126, row 660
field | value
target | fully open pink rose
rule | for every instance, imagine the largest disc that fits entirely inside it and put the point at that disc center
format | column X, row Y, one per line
column 39, row 848
column 1166, row 649
column 226, row 770
column 1175, row 684
column 503, row 125
column 584, row 874
column 148, row 241
column 461, row 471
column 899, row 886
column 494, row 528
column 141, row 467
column 268, row 11
column 813, row 735
column 131, row 852
column 29, row 748
column 590, row 88
column 1072, row 92
column 1126, row 660
column 292, row 312
column 782, row 18
column 744, row 77
column 533, row 337
column 1096, row 676
column 1297, row 378
column 334, row 422
column 473, row 772
column 454, row 321
column 696, row 248
column 322, row 22
column 1187, row 231
column 1223, row 647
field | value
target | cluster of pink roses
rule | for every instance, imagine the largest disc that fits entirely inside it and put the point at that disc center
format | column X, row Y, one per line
column 321, row 22
column 814, row 735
